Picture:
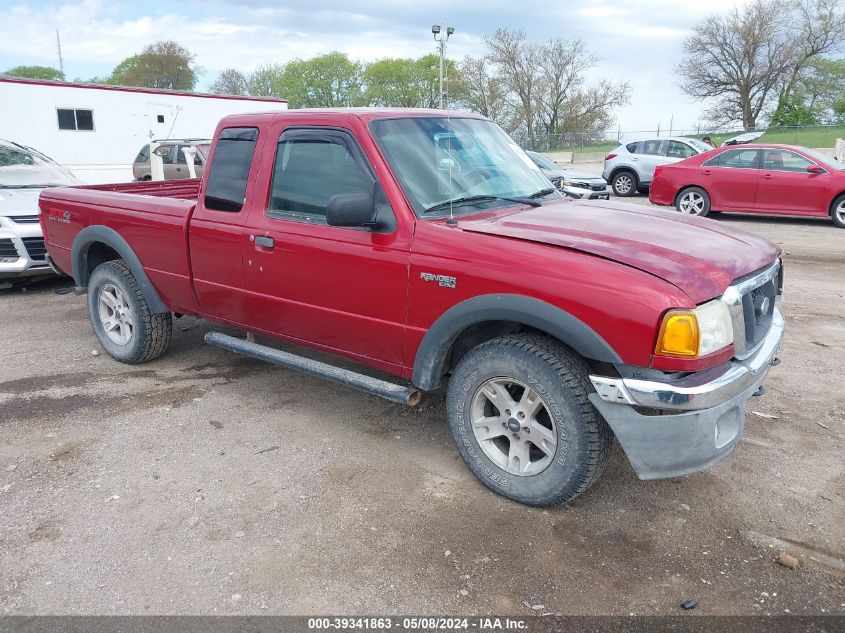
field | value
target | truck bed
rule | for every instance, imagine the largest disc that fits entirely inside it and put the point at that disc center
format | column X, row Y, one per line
column 184, row 189
column 152, row 217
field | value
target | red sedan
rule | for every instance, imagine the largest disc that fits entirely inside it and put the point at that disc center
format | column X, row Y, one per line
column 770, row 179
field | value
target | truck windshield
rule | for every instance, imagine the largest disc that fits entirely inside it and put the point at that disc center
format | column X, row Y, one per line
column 469, row 161
column 22, row 168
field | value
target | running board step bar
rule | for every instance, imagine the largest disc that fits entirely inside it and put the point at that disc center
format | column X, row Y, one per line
column 361, row 382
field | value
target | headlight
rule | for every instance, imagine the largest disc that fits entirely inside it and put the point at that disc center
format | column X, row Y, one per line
column 698, row 332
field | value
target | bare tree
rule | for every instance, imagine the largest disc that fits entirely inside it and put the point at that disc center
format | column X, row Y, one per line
column 229, row 82
column 518, row 64
column 748, row 57
column 562, row 63
column 483, row 92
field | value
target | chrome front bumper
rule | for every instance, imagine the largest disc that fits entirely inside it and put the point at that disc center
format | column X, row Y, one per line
column 701, row 416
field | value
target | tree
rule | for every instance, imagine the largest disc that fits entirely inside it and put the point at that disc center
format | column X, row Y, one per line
column 410, row 83
column 566, row 103
column 518, row 64
column 162, row 65
column 483, row 92
column 35, row 72
column 264, row 81
column 747, row 58
column 326, row 81
column 229, row 82
column 818, row 95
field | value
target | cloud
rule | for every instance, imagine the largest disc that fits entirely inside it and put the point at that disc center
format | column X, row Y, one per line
column 635, row 40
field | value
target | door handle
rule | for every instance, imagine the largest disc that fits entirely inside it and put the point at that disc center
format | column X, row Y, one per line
column 767, row 176
column 264, row 241
column 707, row 172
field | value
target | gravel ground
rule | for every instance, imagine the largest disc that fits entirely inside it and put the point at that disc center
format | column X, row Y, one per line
column 206, row 483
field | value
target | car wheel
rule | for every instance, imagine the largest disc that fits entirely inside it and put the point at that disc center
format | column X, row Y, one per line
column 519, row 413
column 837, row 211
column 693, row 201
column 122, row 320
column 624, row 183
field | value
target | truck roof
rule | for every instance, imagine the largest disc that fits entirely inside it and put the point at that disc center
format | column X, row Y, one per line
column 364, row 114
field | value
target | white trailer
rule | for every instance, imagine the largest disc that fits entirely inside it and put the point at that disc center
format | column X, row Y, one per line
column 97, row 131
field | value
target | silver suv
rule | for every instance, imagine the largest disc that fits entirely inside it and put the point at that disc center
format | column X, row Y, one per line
column 630, row 167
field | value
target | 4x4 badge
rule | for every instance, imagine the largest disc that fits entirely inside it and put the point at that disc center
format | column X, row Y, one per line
column 442, row 280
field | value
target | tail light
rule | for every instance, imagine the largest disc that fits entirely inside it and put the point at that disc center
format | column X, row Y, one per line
column 610, row 157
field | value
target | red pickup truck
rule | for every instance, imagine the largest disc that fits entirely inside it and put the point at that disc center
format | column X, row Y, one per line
column 429, row 246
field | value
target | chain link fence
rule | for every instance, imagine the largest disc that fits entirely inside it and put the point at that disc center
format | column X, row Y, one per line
column 820, row 136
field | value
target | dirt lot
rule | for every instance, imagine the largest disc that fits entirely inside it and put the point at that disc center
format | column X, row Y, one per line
column 206, row 483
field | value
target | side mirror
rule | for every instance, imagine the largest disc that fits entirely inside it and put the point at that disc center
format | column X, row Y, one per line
column 351, row 209
column 815, row 169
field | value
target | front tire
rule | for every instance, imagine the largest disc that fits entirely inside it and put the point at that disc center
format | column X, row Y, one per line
column 837, row 211
column 693, row 201
column 121, row 317
column 624, row 183
column 518, row 411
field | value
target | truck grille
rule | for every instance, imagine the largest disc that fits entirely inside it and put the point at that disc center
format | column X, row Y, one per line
column 35, row 247
column 8, row 250
column 751, row 302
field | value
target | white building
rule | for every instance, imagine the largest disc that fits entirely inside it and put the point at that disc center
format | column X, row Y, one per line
column 97, row 130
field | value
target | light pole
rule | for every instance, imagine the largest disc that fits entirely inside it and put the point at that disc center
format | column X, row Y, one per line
column 435, row 31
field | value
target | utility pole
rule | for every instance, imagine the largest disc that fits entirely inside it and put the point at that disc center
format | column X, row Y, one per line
column 435, row 31
column 59, row 47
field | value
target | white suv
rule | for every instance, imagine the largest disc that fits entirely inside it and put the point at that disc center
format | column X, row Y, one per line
column 24, row 172
column 630, row 167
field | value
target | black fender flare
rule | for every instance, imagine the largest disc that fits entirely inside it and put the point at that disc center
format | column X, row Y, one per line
column 429, row 364
column 95, row 234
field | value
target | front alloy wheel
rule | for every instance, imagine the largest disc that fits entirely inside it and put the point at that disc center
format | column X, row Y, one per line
column 513, row 427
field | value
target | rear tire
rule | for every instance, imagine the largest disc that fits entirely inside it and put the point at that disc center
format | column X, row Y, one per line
column 693, row 201
column 121, row 317
column 624, row 183
column 532, row 382
column 837, row 211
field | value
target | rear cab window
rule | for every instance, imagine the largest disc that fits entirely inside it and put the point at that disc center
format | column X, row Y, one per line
column 229, row 170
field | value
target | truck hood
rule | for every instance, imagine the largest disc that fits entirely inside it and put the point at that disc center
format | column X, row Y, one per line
column 19, row 201
column 699, row 256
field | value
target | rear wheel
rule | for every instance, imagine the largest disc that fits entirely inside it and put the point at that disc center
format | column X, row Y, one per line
column 518, row 411
column 122, row 320
column 837, row 211
column 624, row 183
column 693, row 201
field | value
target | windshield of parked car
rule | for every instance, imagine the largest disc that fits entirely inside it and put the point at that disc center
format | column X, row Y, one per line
column 823, row 160
column 543, row 162
column 469, row 161
column 23, row 167
column 701, row 146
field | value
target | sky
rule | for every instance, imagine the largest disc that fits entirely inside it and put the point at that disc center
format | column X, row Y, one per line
column 635, row 40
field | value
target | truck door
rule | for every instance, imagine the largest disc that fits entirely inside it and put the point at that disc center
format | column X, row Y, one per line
column 337, row 288
column 217, row 233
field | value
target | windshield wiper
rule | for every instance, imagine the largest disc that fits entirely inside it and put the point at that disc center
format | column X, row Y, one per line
column 480, row 198
column 541, row 193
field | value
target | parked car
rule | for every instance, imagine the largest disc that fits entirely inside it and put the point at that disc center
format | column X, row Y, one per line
column 743, row 139
column 175, row 162
column 630, row 167
column 24, row 173
column 770, row 179
column 426, row 245
column 575, row 184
